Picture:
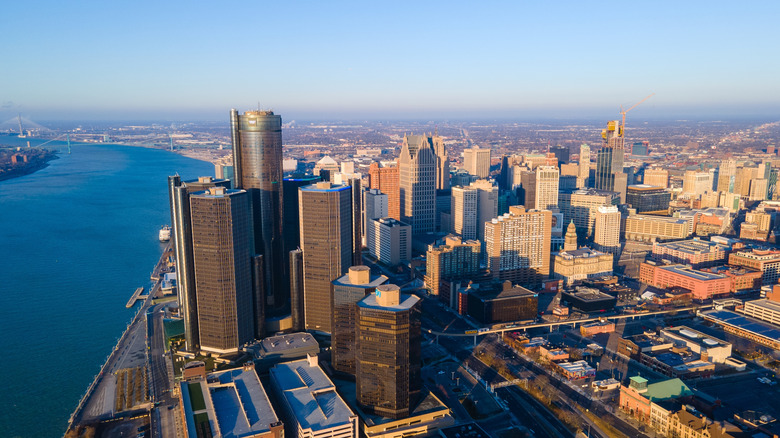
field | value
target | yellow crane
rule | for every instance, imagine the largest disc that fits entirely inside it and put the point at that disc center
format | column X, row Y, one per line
column 623, row 114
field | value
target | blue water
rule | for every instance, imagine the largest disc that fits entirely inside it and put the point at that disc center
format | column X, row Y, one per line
column 76, row 239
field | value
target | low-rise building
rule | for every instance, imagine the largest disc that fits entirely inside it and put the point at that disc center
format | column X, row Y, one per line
column 494, row 302
column 579, row 264
column 633, row 346
column 689, row 423
column 766, row 261
column 703, row 285
column 764, row 309
column 230, row 403
column 311, row 404
column 710, row 348
column 637, row 397
column 742, row 279
column 648, row 228
column 575, row 370
column 589, row 300
column 594, row 328
column 282, row 348
column 752, row 329
column 695, row 252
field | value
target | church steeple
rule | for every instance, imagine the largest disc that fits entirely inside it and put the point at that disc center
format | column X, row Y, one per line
column 570, row 242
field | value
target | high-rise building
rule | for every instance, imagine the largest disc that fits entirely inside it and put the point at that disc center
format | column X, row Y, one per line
column 471, row 207
column 656, row 177
column 291, row 231
column 297, row 310
column 387, row 375
column 347, row 291
column 374, row 207
column 454, row 258
column 727, row 171
column 696, row 184
column 606, row 234
column 384, row 177
column 326, row 241
column 442, row 163
column 580, row 206
column 257, row 166
column 641, row 148
column 517, row 245
column 609, row 161
column 546, row 188
column 648, row 199
column 476, row 161
column 222, row 255
column 391, row 241
column 417, row 183
column 583, row 178
column 179, row 194
column 561, row 153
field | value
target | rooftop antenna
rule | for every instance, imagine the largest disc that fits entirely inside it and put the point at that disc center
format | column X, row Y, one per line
column 21, row 131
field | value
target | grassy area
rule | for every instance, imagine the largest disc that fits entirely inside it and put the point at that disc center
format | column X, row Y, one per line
column 196, row 398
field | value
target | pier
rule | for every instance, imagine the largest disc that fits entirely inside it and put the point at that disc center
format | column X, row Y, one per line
column 136, row 296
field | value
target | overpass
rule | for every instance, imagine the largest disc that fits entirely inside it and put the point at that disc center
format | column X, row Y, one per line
column 573, row 322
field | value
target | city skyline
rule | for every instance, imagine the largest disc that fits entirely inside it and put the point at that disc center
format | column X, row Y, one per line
column 347, row 60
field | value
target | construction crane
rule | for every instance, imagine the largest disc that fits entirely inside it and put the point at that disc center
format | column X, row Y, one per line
column 623, row 114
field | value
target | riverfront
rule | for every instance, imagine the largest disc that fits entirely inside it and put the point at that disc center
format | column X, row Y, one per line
column 78, row 237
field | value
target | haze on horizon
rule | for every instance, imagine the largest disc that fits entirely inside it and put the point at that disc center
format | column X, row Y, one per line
column 339, row 60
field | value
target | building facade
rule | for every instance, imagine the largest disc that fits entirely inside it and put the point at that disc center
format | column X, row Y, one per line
column 476, row 161
column 417, row 183
column 517, row 245
column 384, row 177
column 391, row 241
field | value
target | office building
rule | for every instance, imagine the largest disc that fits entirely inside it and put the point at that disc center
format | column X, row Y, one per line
column 561, row 153
column 453, row 258
column 297, row 311
column 708, row 347
column 649, row 228
column 640, row 148
column 384, row 177
column 656, row 178
column 580, row 206
column 727, row 172
column 588, row 300
column 417, row 183
column 499, row 301
column 291, row 230
column 391, row 242
column 442, row 163
column 257, row 165
column 583, row 177
column 648, row 199
column 476, row 161
column 347, row 291
column 471, row 207
column 694, row 252
column 231, row 403
column 609, row 160
column 766, row 261
column 580, row 264
column 606, row 229
column 181, row 220
column 697, row 183
column 326, row 240
column 222, row 256
column 310, row 401
column 326, row 166
column 388, row 380
column 546, row 188
column 375, row 206
column 517, row 245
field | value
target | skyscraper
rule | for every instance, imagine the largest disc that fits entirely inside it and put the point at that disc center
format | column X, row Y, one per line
column 454, row 258
column 726, row 174
column 546, row 188
column 326, row 241
column 374, row 207
column 476, row 161
column 561, row 153
column 417, row 183
column 609, row 161
column 696, row 183
column 257, row 166
column 179, row 194
column 222, row 255
column 385, row 179
column 583, row 178
column 471, row 207
column 606, row 234
column 388, row 363
column 442, row 163
column 347, row 291
column 517, row 245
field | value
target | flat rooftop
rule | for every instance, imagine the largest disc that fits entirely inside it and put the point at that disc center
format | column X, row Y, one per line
column 273, row 345
column 694, row 336
column 233, row 400
column 311, row 395
column 692, row 246
column 753, row 326
column 650, row 217
column 588, row 294
column 692, row 273
column 770, row 305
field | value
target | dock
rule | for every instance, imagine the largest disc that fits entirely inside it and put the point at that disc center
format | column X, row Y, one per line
column 136, row 296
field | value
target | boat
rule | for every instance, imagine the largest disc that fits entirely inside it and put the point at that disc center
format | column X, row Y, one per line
column 165, row 233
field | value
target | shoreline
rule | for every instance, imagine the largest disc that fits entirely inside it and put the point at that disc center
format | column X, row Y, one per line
column 29, row 170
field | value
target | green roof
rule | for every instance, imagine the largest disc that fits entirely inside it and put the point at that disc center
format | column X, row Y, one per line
column 638, row 379
column 667, row 389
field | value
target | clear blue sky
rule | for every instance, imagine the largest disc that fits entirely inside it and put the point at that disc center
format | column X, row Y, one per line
column 516, row 59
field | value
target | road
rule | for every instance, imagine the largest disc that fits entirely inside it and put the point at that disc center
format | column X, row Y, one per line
column 165, row 422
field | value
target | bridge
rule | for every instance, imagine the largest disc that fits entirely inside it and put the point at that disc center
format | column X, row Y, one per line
column 572, row 322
